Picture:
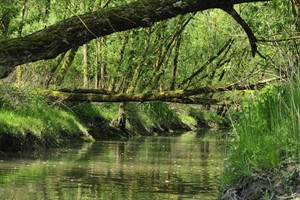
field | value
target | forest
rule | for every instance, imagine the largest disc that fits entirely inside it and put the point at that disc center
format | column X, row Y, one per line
column 86, row 70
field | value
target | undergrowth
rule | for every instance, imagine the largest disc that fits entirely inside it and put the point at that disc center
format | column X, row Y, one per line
column 157, row 113
column 266, row 134
column 23, row 112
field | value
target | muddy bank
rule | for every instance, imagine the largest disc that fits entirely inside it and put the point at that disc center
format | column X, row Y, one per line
column 10, row 142
column 281, row 183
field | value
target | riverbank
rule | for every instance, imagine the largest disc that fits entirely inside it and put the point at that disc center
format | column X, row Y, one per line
column 263, row 159
column 278, row 183
column 29, row 121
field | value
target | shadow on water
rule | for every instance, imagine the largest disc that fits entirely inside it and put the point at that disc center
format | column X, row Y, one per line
column 185, row 167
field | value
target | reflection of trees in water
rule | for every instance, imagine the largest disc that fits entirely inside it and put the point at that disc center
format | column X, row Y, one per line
column 204, row 152
column 143, row 167
column 119, row 153
column 204, row 163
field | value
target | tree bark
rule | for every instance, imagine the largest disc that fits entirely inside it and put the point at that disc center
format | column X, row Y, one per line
column 120, row 121
column 22, row 17
column 85, row 65
column 61, row 71
column 80, row 29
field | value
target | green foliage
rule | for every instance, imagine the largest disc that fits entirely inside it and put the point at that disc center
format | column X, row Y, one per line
column 95, row 111
column 205, row 118
column 8, row 11
column 144, row 59
column 157, row 113
column 23, row 111
column 109, row 110
column 266, row 133
column 199, row 116
column 87, row 110
column 188, row 120
column 14, row 96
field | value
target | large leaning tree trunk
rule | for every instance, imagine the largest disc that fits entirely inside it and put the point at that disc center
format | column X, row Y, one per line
column 78, row 30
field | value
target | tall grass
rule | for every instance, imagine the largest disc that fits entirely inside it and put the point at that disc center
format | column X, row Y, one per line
column 267, row 132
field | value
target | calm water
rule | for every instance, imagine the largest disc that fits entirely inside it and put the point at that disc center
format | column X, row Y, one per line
column 185, row 167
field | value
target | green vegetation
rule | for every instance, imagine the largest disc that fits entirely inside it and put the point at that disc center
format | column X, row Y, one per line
column 157, row 113
column 208, row 119
column 26, row 117
column 208, row 49
column 29, row 121
column 265, row 139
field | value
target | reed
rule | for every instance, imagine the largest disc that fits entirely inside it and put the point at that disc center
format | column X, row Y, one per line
column 267, row 133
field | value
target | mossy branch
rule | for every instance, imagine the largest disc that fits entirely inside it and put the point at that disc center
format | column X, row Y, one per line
column 78, row 30
column 178, row 96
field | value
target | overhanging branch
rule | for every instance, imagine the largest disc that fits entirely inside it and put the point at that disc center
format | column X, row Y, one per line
column 252, row 39
column 78, row 30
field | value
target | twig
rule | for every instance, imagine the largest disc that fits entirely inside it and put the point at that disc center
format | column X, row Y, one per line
column 279, row 40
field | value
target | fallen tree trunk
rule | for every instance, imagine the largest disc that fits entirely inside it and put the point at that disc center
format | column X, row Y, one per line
column 78, row 30
column 177, row 96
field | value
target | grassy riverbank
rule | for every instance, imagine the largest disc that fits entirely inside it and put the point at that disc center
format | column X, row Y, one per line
column 264, row 148
column 29, row 121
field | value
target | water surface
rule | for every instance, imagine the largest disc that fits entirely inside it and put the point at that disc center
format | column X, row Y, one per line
column 185, row 167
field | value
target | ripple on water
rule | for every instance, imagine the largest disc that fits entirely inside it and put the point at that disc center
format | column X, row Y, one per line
column 184, row 167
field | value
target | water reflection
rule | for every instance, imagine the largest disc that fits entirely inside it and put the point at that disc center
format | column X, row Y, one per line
column 186, row 167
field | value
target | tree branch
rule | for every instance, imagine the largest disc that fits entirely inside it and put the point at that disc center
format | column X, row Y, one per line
column 252, row 39
column 78, row 30
column 209, row 61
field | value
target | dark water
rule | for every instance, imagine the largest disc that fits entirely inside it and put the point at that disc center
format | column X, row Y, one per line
column 185, row 167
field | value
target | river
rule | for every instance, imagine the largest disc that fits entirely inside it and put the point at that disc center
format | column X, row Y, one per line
column 184, row 167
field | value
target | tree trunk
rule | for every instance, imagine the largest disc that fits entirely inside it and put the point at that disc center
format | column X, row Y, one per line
column 85, row 65
column 97, row 62
column 177, row 96
column 61, row 71
column 120, row 121
column 19, row 74
column 47, row 11
column 22, row 18
column 78, row 30
column 175, row 64
column 296, row 11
